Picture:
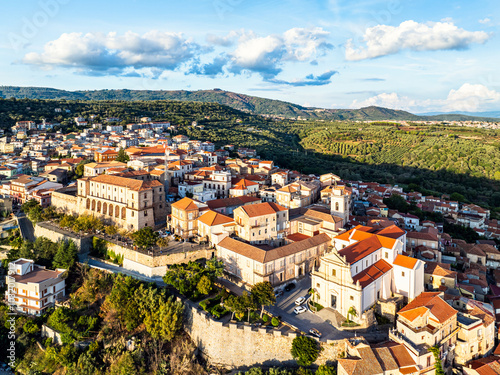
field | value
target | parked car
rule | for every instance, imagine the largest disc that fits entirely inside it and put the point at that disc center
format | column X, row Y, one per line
column 299, row 301
column 299, row 310
column 289, row 287
column 315, row 332
column 278, row 293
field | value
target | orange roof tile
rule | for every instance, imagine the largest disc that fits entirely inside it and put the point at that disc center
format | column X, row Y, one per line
column 185, row 204
column 372, row 273
column 435, row 304
column 212, row 218
column 260, row 209
column 404, row 261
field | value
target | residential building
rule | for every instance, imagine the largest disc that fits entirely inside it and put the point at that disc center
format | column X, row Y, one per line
column 184, row 217
column 32, row 289
column 427, row 321
column 213, row 226
column 261, row 223
column 105, row 155
column 476, row 335
column 385, row 359
column 298, row 194
column 277, row 265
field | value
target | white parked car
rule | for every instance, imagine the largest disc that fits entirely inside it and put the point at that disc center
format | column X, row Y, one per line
column 299, row 310
column 299, row 301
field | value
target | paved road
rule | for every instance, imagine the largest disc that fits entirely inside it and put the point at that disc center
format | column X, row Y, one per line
column 26, row 227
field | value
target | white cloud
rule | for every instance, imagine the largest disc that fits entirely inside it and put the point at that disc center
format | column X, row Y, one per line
column 485, row 21
column 470, row 98
column 267, row 54
column 97, row 53
column 382, row 40
column 467, row 98
column 386, row 100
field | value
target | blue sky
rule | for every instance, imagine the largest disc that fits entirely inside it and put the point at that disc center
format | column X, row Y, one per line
column 416, row 55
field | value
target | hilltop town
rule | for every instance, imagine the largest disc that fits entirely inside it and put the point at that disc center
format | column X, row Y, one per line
column 378, row 278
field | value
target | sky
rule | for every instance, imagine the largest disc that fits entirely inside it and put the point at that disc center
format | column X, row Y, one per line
column 416, row 55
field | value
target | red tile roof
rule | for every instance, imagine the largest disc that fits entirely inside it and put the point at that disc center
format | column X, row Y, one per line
column 372, row 273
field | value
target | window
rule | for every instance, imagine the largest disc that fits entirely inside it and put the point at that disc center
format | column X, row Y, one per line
column 386, row 255
column 145, row 213
column 317, row 285
column 132, row 213
column 403, row 273
column 351, row 298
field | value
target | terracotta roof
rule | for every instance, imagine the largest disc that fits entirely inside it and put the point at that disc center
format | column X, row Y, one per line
column 361, row 249
column 404, row 261
column 297, row 237
column 136, row 185
column 372, row 273
column 439, row 269
column 212, row 218
column 435, row 304
column 185, row 204
column 245, row 183
column 231, row 202
column 422, row 236
column 260, row 209
column 264, row 256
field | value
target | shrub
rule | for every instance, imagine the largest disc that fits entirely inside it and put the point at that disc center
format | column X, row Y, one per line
column 275, row 322
column 265, row 318
column 204, row 304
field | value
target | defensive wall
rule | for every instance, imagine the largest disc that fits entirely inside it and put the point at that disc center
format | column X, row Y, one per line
column 54, row 233
column 238, row 345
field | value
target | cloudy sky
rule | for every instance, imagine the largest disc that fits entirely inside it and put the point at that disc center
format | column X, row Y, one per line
column 416, row 55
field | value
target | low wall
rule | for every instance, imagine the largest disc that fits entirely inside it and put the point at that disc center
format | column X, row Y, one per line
column 241, row 346
column 152, row 266
column 52, row 333
column 53, row 233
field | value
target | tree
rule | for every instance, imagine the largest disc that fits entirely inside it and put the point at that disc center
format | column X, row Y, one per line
column 326, row 370
column 263, row 295
column 162, row 242
column 305, row 350
column 352, row 313
column 66, row 255
column 145, row 237
column 215, row 267
column 122, row 156
column 124, row 365
column 67, row 221
column 165, row 321
column 205, row 285
column 238, row 305
column 437, row 364
column 111, row 230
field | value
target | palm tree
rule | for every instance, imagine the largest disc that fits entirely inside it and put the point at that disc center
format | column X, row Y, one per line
column 314, row 293
column 351, row 312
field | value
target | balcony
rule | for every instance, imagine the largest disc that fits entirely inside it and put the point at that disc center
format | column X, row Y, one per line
column 418, row 349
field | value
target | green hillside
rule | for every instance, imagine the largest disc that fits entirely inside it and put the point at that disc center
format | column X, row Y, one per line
column 242, row 102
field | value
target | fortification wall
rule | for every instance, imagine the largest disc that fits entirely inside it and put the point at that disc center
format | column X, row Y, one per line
column 234, row 346
column 152, row 266
column 47, row 230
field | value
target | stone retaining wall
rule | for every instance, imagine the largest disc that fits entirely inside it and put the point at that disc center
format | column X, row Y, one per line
column 236, row 346
column 152, row 266
column 53, row 233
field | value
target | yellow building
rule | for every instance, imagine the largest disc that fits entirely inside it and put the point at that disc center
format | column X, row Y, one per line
column 261, row 223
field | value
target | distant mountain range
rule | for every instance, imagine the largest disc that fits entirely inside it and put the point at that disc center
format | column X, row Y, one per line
column 242, row 102
column 492, row 114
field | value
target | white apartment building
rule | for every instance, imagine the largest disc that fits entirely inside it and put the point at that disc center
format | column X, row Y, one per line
column 32, row 289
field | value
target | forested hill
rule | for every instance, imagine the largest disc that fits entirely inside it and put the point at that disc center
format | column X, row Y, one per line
column 252, row 104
